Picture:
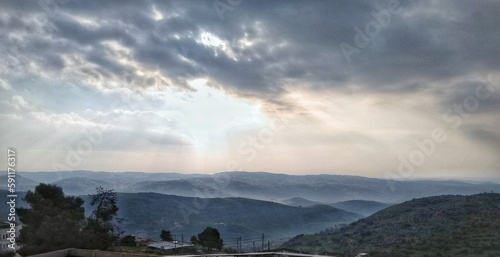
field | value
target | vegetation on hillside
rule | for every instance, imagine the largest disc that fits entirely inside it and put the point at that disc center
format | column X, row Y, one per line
column 55, row 221
column 362, row 207
column 234, row 217
column 432, row 226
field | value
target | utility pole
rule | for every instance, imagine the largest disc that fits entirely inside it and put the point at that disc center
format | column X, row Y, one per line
column 262, row 242
column 253, row 246
column 182, row 243
column 268, row 246
column 238, row 245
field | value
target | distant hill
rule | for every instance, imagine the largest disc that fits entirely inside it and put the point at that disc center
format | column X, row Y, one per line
column 77, row 186
column 22, row 183
column 186, row 187
column 433, row 226
column 316, row 188
column 298, row 201
column 51, row 176
column 256, row 185
column 362, row 207
column 146, row 214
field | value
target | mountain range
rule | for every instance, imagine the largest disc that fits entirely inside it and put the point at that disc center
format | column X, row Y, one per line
column 243, row 204
column 255, row 185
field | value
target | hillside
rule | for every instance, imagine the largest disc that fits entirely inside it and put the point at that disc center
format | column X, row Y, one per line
column 146, row 214
column 433, row 226
column 190, row 188
column 362, row 207
column 298, row 201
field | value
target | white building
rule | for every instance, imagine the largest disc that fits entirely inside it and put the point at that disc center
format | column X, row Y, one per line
column 5, row 236
column 170, row 245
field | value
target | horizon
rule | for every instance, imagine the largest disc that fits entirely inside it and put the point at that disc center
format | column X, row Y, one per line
column 414, row 178
column 384, row 89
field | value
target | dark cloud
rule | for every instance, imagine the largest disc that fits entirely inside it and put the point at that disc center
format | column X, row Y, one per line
column 488, row 137
column 293, row 42
column 477, row 96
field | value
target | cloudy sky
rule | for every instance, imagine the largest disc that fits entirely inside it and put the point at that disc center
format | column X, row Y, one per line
column 401, row 89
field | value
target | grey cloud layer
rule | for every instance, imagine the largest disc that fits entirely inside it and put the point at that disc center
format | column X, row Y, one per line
column 70, row 56
column 426, row 40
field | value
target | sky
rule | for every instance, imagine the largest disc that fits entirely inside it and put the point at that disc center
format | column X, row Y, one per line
column 397, row 89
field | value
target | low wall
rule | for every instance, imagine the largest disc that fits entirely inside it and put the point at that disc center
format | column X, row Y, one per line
column 90, row 253
column 97, row 253
column 59, row 253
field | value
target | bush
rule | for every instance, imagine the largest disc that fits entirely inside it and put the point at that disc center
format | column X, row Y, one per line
column 7, row 254
column 128, row 240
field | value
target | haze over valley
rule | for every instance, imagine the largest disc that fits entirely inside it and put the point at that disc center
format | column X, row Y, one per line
column 244, row 203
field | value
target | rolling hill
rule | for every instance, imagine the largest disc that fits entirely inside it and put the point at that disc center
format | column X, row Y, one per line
column 298, row 201
column 52, row 176
column 22, row 183
column 146, row 214
column 362, row 207
column 449, row 225
column 316, row 188
column 257, row 185
column 76, row 186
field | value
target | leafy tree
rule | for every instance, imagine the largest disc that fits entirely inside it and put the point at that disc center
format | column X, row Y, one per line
column 53, row 222
column 105, row 201
column 210, row 238
column 128, row 240
column 194, row 240
column 166, row 235
column 100, row 232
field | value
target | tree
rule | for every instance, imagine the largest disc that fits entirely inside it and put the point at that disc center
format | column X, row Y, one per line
column 210, row 238
column 100, row 230
column 106, row 208
column 52, row 222
column 166, row 235
column 128, row 240
column 55, row 221
column 194, row 240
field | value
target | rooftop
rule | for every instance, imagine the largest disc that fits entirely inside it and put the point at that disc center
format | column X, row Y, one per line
column 167, row 245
